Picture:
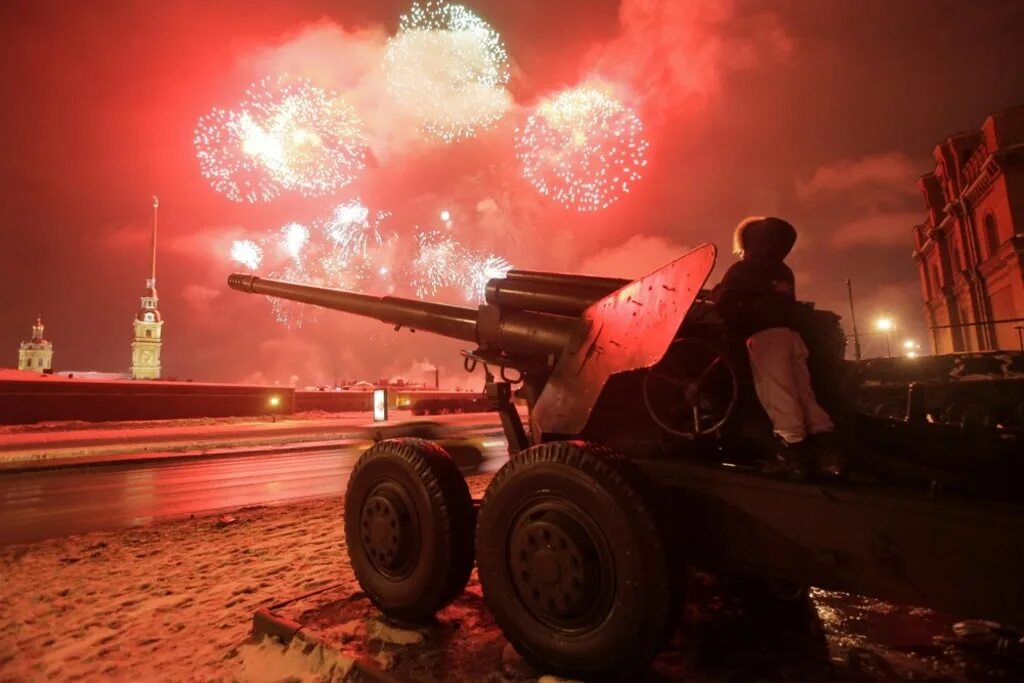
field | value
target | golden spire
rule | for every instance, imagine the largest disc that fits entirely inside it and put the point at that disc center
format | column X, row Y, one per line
column 152, row 275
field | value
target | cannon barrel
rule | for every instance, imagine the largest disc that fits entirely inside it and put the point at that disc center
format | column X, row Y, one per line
column 458, row 322
column 518, row 333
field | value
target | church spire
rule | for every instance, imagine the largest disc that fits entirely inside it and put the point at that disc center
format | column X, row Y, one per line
column 152, row 272
column 148, row 322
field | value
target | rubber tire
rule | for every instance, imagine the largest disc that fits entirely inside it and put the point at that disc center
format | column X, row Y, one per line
column 619, row 499
column 444, row 509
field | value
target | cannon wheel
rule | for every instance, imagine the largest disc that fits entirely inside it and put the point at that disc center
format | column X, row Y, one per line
column 781, row 603
column 693, row 389
column 409, row 522
column 573, row 562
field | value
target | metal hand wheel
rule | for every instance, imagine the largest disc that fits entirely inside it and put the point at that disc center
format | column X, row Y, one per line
column 693, row 390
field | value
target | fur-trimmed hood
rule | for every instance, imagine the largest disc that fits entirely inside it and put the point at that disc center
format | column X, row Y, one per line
column 764, row 237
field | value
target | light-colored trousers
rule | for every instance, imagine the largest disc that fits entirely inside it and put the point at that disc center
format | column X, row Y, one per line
column 778, row 358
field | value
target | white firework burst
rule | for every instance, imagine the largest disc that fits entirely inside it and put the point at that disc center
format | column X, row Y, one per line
column 449, row 67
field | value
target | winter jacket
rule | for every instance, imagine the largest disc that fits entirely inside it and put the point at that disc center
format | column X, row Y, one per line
column 756, row 294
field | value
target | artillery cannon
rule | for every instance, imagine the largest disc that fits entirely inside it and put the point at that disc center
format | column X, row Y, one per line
column 565, row 337
column 635, row 466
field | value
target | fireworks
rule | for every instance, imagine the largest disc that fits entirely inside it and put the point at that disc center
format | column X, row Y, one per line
column 292, row 313
column 220, row 138
column 450, row 68
column 286, row 135
column 438, row 263
column 441, row 262
column 357, row 250
column 354, row 230
column 583, row 148
column 352, row 249
column 307, row 138
column 294, row 238
column 247, row 253
column 478, row 271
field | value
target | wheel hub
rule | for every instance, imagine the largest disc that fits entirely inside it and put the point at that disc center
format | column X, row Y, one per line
column 549, row 559
column 386, row 527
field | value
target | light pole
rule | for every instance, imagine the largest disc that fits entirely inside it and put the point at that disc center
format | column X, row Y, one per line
column 853, row 319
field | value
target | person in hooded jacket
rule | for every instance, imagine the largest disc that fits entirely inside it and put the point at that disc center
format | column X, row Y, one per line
column 757, row 300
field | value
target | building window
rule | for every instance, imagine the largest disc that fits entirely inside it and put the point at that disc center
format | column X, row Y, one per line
column 149, row 333
column 991, row 234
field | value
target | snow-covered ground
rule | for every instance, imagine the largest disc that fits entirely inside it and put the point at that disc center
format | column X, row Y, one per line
column 171, row 602
column 174, row 601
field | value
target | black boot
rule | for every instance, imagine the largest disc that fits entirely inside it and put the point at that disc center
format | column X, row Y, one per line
column 789, row 461
column 829, row 460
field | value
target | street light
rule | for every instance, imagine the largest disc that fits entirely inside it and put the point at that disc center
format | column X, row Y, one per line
column 911, row 348
column 885, row 325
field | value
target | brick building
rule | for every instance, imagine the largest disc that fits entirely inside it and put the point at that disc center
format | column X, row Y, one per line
column 970, row 247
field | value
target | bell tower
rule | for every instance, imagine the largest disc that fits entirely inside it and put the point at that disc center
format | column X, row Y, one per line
column 148, row 323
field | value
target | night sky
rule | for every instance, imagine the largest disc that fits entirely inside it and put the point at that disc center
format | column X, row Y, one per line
column 822, row 112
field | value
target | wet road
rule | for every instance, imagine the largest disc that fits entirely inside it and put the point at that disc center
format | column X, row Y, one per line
column 50, row 503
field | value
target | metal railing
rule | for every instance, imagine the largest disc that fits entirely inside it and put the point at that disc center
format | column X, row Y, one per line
column 983, row 323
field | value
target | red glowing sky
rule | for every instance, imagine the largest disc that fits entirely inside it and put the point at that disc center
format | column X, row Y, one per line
column 824, row 113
